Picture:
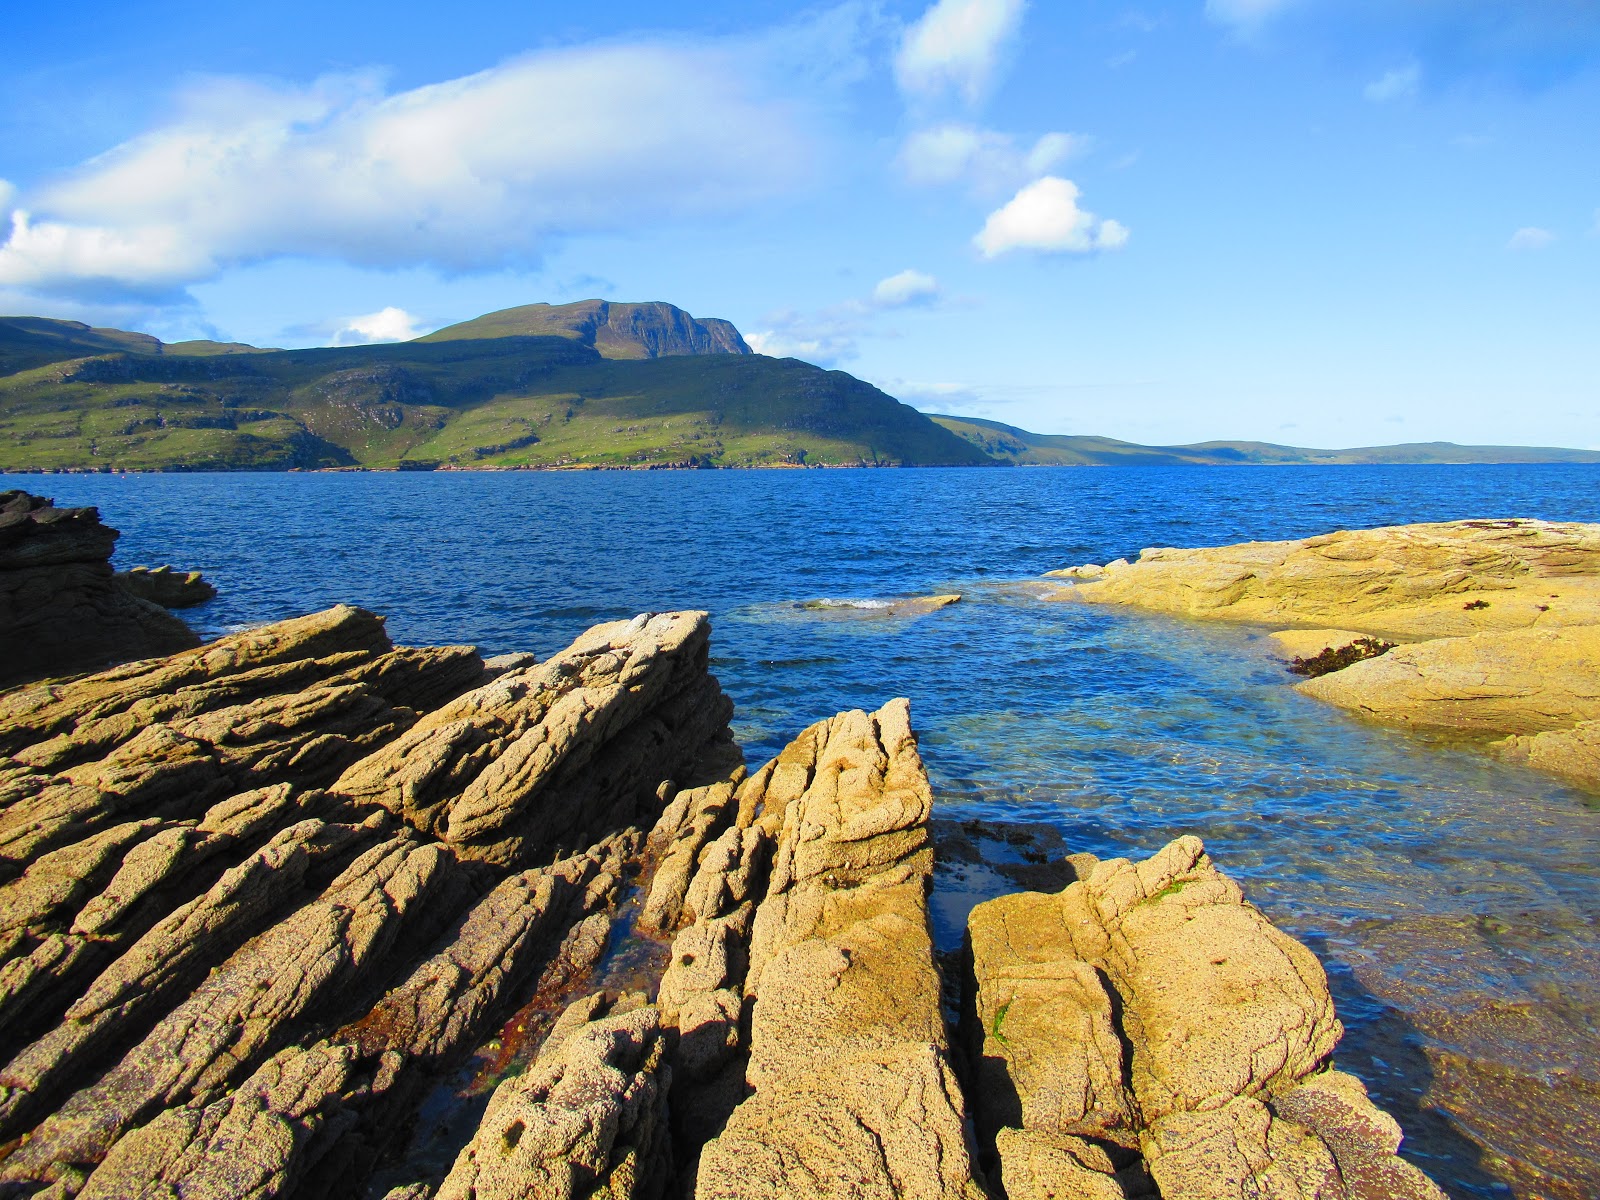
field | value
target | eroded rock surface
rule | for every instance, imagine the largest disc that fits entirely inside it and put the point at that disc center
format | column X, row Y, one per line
column 1148, row 1011
column 60, row 609
column 166, row 587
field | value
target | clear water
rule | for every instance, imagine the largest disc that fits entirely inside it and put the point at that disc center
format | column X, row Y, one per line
column 1454, row 900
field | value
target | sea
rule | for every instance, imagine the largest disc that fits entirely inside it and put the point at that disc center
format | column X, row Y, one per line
column 1454, row 900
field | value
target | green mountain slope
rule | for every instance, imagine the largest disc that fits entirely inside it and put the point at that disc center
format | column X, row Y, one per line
column 121, row 401
column 1007, row 443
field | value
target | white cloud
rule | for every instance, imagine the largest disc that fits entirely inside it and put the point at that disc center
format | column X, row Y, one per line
column 825, row 338
column 1400, row 82
column 957, row 44
column 475, row 173
column 1530, row 237
column 1245, row 15
column 985, row 158
column 1044, row 216
column 386, row 325
column 908, row 288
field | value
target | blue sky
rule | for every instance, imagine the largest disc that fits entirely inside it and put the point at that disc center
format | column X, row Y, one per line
column 1322, row 222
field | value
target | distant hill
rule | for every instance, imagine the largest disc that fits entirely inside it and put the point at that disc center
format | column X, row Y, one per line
column 1007, row 443
column 587, row 384
column 653, row 330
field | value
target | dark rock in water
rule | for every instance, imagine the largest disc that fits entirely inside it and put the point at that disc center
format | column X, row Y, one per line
column 60, row 609
column 262, row 902
column 166, row 587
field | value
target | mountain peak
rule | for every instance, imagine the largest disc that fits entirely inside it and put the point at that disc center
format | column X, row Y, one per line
column 653, row 329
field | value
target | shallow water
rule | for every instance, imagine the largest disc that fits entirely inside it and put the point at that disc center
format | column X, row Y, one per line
column 1454, row 900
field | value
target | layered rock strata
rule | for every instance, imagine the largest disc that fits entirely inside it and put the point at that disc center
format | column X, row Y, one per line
column 1501, row 621
column 61, row 610
column 265, row 892
column 166, row 587
column 263, row 898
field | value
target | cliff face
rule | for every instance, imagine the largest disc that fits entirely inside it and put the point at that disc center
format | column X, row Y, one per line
column 61, row 610
column 649, row 330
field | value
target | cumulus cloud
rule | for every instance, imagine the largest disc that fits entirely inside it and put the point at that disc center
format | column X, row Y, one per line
column 909, row 287
column 984, row 158
column 1395, row 84
column 1530, row 237
column 386, row 325
column 957, row 45
column 1045, row 217
column 472, row 174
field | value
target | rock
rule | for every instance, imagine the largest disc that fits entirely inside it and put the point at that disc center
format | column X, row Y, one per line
column 1086, row 571
column 1402, row 582
column 695, row 816
column 1513, row 682
column 1571, row 753
column 1149, row 1007
column 911, row 606
column 1290, row 644
column 853, row 1091
column 589, row 1120
column 536, row 758
column 245, row 1008
column 165, row 587
column 60, row 609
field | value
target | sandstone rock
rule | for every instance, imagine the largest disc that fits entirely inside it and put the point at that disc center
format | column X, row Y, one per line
column 1513, row 682
column 166, row 587
column 1571, row 753
column 853, row 1093
column 1149, row 1007
column 60, row 609
column 1402, row 582
column 242, row 1009
column 539, row 756
column 694, row 818
column 910, row 606
column 588, row 1120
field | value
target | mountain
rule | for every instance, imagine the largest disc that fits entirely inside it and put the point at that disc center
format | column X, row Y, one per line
column 1007, row 443
column 653, row 330
column 584, row 384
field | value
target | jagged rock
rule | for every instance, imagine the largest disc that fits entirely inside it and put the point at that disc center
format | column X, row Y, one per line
column 1521, row 681
column 243, row 1009
column 588, row 1120
column 1149, row 1006
column 1403, row 581
column 60, row 609
column 1572, row 753
column 165, row 587
column 853, row 1093
column 167, row 958
column 34, row 713
column 540, row 757
column 695, row 817
column 298, row 1103
column 1044, row 1166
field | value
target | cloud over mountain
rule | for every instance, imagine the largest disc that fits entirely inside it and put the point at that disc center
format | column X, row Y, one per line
column 470, row 174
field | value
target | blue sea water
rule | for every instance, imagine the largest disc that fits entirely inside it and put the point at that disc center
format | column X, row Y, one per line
column 1454, row 900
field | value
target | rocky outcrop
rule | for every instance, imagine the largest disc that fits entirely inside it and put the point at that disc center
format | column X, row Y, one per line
column 1148, row 1028
column 60, row 608
column 166, row 587
column 261, row 900
column 1503, row 618
column 854, row 1094
column 1403, row 582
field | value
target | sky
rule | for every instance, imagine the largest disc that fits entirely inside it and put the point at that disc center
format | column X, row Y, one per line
column 1313, row 222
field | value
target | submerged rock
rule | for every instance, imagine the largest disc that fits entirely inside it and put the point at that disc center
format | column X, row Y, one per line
column 60, row 608
column 1502, row 617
